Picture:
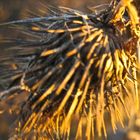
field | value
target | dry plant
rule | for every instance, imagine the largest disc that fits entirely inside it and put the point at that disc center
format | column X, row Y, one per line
column 73, row 66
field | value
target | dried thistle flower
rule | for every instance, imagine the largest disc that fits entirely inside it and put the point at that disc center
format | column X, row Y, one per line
column 73, row 65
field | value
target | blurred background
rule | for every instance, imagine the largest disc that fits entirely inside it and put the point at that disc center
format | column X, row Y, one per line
column 20, row 9
column 15, row 9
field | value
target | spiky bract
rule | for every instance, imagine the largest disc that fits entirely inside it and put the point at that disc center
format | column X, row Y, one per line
column 73, row 65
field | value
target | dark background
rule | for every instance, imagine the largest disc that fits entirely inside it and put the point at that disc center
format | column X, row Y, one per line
column 16, row 9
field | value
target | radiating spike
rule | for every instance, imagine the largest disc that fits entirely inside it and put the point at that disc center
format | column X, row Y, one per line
column 75, row 68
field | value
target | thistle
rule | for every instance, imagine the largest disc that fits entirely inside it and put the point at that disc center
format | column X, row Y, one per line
column 75, row 68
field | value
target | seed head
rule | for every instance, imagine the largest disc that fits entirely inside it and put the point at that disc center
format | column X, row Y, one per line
column 74, row 66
